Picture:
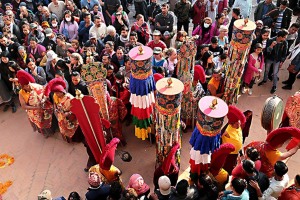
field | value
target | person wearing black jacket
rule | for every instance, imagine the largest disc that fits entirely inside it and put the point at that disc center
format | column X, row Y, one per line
column 276, row 52
column 152, row 10
column 77, row 84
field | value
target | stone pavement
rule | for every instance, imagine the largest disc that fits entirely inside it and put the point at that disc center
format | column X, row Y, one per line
column 58, row 166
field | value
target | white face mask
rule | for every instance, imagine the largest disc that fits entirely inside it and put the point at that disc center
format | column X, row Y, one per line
column 68, row 19
column 54, row 24
column 206, row 25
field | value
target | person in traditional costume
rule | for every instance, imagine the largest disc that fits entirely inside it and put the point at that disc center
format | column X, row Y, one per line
column 292, row 192
column 109, row 172
column 31, row 97
column 215, row 85
column 233, row 135
column 67, row 121
column 269, row 152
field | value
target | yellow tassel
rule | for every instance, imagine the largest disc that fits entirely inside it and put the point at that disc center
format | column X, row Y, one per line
column 5, row 186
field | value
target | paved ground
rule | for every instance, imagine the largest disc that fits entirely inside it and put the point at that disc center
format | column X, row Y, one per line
column 56, row 165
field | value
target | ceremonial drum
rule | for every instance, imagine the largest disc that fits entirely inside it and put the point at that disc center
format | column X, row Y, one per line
column 272, row 113
column 238, row 53
column 142, row 87
column 206, row 136
column 168, row 101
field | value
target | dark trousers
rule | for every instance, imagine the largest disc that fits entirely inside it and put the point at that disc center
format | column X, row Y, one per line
column 141, row 8
column 250, row 85
column 292, row 78
column 231, row 2
column 185, row 26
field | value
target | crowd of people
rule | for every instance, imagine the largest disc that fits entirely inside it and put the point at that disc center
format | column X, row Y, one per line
column 44, row 46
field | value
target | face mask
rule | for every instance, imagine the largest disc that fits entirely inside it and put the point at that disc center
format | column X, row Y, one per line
column 119, row 82
column 206, row 25
column 68, row 19
column 54, row 24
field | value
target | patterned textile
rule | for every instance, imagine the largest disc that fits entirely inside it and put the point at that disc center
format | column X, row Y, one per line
column 67, row 121
column 185, row 73
column 292, row 110
column 117, row 112
column 41, row 118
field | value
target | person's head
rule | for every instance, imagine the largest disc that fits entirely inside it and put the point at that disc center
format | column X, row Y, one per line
column 294, row 28
column 23, row 10
column 13, row 66
column 252, row 154
column 238, row 185
column 124, row 31
column 68, row 16
column 157, row 53
column 181, row 36
column 120, row 8
column 268, row 1
column 109, row 46
column 96, row 8
column 182, row 187
column 45, row 11
column 70, row 5
column 106, row 59
column 111, row 30
column 164, row 185
column 39, row 6
column 8, row 6
column 283, row 4
column 154, row 2
column 203, row 48
column 265, row 33
column 76, row 59
column 127, row 63
column 30, row 62
column 220, row 17
column 5, row 57
column 259, row 24
column 206, row 184
column 45, row 195
column 97, row 20
column 217, row 75
column 115, row 191
column 33, row 42
column 84, row 9
column 258, row 48
column 223, row 57
column 60, row 40
column 133, row 37
column 206, row 22
column 94, row 179
column 54, row 23
column 207, row 58
column 214, row 42
column 223, row 30
column 75, row 76
column 119, row 77
column 248, row 167
column 282, row 34
column 75, row 44
column 74, row 196
column 61, row 65
column 120, row 52
column 25, row 29
column 156, row 35
column 59, row 74
column 87, row 17
column 140, row 19
column 164, row 8
column 280, row 169
column 51, row 56
column 236, row 12
column 171, row 53
column 22, row 51
column 226, row 11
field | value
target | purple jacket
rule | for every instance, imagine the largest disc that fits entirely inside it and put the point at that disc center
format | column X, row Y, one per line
column 72, row 29
column 207, row 36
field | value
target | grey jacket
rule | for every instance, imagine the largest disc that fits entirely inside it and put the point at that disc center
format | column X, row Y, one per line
column 166, row 23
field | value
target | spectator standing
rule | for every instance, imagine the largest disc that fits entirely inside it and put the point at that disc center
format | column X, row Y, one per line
column 245, row 7
column 182, row 11
column 152, row 10
column 99, row 28
column 57, row 7
column 142, row 29
column 84, row 27
column 69, row 27
column 263, row 8
column 275, row 54
column 198, row 12
column 164, row 22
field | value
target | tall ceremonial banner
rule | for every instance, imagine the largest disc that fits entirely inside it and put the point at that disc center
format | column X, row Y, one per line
column 238, row 55
column 185, row 73
column 86, row 110
column 94, row 74
column 168, row 105
column 142, row 87
column 206, row 136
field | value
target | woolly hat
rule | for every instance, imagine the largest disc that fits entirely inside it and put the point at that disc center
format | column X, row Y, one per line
column 136, row 182
column 24, row 78
column 55, row 85
column 281, row 135
column 108, row 155
column 157, row 77
column 94, row 179
column 199, row 74
column 235, row 114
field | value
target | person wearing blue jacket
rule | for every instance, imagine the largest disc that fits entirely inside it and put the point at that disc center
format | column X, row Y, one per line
column 84, row 27
column 238, row 192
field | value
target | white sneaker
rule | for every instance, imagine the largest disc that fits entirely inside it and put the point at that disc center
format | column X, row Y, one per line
column 243, row 90
column 250, row 91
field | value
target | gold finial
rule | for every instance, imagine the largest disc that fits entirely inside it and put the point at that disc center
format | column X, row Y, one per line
column 141, row 50
column 78, row 94
column 169, row 81
column 214, row 103
column 246, row 21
